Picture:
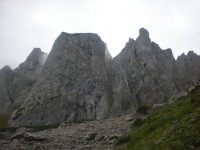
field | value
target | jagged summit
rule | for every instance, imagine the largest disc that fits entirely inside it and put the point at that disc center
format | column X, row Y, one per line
column 36, row 58
column 6, row 68
column 191, row 52
column 144, row 33
column 16, row 84
column 74, row 84
column 34, row 54
column 80, row 80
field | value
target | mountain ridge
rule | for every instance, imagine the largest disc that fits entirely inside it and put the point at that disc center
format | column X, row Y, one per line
column 81, row 81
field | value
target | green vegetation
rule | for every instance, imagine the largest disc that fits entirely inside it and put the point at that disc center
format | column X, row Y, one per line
column 138, row 122
column 143, row 109
column 174, row 127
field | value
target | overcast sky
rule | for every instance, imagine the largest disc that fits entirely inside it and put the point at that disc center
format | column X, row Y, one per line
column 25, row 24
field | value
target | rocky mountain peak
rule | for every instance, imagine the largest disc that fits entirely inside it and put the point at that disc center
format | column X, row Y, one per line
column 35, row 59
column 6, row 68
column 16, row 84
column 74, row 83
column 143, row 43
column 143, row 33
column 169, row 53
column 34, row 54
column 80, row 81
column 192, row 55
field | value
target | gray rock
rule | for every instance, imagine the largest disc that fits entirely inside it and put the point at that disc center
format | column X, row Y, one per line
column 188, row 70
column 34, row 137
column 144, row 74
column 90, row 136
column 19, row 133
column 129, row 118
column 6, row 98
column 80, row 81
column 73, row 85
column 16, row 84
column 114, row 136
column 157, row 106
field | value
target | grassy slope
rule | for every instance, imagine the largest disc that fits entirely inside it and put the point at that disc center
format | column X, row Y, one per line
column 174, row 127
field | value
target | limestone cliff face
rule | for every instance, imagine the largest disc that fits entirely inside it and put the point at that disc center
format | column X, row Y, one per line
column 6, row 99
column 73, row 85
column 80, row 80
column 188, row 70
column 16, row 84
column 143, row 74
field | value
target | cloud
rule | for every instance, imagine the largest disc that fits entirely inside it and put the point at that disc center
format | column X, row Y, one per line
column 28, row 24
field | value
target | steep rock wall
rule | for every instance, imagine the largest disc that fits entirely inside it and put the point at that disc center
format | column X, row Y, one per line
column 73, row 86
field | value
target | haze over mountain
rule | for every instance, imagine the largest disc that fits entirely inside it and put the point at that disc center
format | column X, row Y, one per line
column 27, row 24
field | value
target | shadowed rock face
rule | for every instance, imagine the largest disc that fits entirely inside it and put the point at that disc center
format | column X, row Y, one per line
column 16, row 84
column 80, row 80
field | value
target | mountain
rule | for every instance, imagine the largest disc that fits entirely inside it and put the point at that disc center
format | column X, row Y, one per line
column 80, row 80
column 16, row 84
column 73, row 86
column 188, row 68
column 144, row 74
column 6, row 100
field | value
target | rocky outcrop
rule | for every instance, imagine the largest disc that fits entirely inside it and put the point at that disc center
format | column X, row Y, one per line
column 16, row 84
column 188, row 70
column 143, row 74
column 80, row 80
column 6, row 97
column 73, row 85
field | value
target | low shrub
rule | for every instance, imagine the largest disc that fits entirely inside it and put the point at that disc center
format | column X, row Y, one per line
column 143, row 109
column 195, row 97
column 137, row 122
column 124, row 139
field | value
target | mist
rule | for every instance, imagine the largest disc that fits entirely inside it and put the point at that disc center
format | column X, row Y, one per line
column 28, row 24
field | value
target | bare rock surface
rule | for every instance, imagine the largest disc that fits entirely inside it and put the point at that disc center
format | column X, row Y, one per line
column 16, row 84
column 96, row 135
column 80, row 81
column 188, row 70
column 73, row 85
column 144, row 74
column 6, row 99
